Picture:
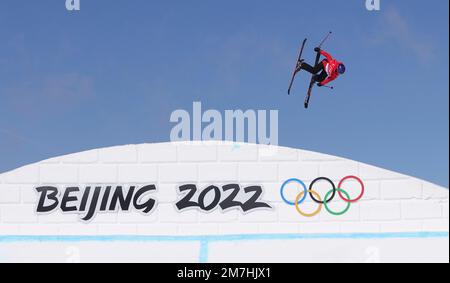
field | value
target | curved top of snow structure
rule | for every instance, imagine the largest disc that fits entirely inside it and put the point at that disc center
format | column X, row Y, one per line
column 392, row 202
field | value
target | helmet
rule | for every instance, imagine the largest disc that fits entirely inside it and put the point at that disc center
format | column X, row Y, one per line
column 341, row 68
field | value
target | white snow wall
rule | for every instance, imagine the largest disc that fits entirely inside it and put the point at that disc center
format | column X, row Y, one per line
column 400, row 218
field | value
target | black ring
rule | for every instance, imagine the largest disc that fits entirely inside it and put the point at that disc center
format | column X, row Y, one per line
column 332, row 195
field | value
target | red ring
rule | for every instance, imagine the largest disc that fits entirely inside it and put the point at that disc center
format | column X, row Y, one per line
column 362, row 189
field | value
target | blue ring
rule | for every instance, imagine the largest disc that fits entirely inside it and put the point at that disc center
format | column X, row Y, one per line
column 287, row 182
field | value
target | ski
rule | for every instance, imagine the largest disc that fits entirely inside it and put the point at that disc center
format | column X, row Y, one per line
column 296, row 70
column 311, row 84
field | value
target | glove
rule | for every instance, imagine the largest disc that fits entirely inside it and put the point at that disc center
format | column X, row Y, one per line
column 317, row 49
column 319, row 84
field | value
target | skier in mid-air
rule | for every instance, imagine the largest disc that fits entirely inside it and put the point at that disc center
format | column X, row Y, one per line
column 322, row 73
column 326, row 71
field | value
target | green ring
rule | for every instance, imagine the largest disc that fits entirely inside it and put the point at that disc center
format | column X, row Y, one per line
column 337, row 213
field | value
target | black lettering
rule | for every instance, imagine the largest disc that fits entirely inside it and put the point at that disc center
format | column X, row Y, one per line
column 214, row 203
column 84, row 200
column 253, row 202
column 229, row 201
column 105, row 198
column 147, row 206
column 124, row 202
column 93, row 206
column 68, row 198
column 186, row 201
column 49, row 193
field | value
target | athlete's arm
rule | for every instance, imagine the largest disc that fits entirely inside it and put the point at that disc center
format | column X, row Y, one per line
column 326, row 81
column 326, row 55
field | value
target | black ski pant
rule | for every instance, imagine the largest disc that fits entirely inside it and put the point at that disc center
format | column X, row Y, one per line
column 319, row 68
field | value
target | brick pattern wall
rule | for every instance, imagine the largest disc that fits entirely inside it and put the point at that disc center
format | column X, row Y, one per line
column 392, row 203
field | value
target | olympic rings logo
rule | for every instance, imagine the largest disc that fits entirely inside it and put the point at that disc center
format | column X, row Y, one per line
column 329, row 196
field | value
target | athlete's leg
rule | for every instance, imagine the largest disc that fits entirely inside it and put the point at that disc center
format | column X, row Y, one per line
column 321, row 77
column 319, row 68
column 310, row 69
column 307, row 67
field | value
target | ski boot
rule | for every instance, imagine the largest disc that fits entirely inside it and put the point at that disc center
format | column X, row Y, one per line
column 299, row 65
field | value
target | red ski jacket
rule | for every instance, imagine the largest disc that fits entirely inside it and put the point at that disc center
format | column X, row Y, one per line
column 331, row 67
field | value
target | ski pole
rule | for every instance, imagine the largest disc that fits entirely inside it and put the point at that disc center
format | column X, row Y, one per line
column 327, row 86
column 325, row 39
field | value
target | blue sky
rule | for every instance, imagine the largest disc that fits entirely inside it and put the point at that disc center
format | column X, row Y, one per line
column 112, row 74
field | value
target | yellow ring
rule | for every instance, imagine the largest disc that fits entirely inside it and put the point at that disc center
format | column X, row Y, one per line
column 306, row 214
